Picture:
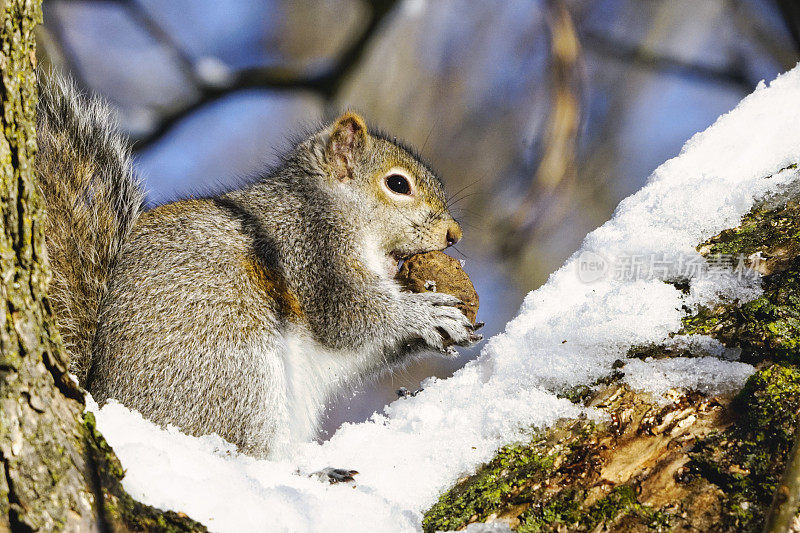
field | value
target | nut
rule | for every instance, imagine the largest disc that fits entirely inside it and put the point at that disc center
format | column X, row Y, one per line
column 441, row 273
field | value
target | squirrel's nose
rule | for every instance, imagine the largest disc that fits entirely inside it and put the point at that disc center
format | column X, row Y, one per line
column 453, row 234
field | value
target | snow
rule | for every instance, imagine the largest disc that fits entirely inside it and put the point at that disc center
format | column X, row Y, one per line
column 609, row 296
column 701, row 374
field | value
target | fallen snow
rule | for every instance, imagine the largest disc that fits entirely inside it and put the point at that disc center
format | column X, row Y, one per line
column 702, row 374
column 568, row 332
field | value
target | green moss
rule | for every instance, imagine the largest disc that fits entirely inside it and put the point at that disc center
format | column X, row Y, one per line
column 543, row 484
column 489, row 490
column 747, row 460
column 565, row 512
column 758, row 231
column 769, row 326
column 768, row 404
column 704, row 322
column 765, row 328
column 519, row 475
column 548, row 515
column 622, row 501
column 101, row 445
column 577, row 394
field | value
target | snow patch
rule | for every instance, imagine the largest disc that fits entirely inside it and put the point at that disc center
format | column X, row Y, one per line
column 705, row 374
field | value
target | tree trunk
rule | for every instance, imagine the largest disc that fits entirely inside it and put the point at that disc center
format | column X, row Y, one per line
column 58, row 472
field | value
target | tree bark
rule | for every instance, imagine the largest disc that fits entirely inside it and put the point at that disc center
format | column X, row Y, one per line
column 57, row 471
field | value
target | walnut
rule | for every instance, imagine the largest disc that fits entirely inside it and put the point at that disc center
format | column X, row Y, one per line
column 438, row 272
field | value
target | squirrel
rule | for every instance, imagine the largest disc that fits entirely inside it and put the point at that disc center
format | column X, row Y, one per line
column 239, row 314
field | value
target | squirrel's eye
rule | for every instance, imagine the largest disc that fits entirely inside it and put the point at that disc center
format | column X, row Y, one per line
column 398, row 184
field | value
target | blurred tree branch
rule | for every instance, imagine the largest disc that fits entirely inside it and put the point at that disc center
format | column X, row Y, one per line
column 790, row 10
column 642, row 57
column 325, row 83
column 754, row 25
column 556, row 172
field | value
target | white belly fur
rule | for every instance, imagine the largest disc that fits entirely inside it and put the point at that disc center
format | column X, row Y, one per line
column 313, row 373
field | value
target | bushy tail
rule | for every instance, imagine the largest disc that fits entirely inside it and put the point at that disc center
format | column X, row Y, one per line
column 92, row 200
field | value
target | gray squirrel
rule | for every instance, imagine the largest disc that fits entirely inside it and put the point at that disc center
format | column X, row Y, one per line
column 239, row 314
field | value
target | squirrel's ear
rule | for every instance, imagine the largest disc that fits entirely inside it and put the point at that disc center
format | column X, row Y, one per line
column 348, row 137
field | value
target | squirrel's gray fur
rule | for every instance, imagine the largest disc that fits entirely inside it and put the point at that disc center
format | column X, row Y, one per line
column 239, row 314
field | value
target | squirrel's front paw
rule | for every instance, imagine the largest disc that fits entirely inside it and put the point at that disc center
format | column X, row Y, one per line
column 443, row 326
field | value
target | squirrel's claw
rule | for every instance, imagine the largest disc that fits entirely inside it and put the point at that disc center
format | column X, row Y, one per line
column 449, row 351
column 334, row 475
column 478, row 325
column 470, row 340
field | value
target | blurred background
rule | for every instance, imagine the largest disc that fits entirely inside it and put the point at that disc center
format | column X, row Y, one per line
column 539, row 115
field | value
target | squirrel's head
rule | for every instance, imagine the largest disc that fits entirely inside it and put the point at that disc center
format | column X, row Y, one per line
column 402, row 202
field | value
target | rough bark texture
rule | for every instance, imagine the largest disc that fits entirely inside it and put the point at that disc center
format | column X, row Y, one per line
column 57, row 471
column 697, row 464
